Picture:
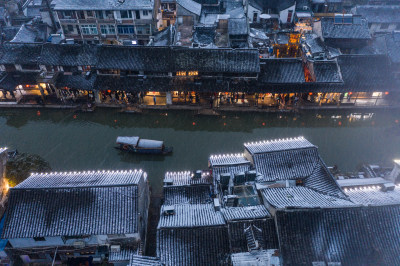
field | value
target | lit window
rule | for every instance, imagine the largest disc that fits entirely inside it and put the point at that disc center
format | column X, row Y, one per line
column 193, row 73
column 181, row 73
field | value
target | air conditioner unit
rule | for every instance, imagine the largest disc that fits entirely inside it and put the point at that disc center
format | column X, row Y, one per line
column 103, row 36
column 305, row 7
column 79, row 244
column 96, row 38
column 119, row 20
column 115, row 248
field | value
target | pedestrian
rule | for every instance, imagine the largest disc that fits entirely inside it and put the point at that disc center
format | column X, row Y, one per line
column 154, row 100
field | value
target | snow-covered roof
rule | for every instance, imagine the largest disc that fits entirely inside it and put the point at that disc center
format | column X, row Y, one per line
column 72, row 211
column 186, row 178
column 301, row 197
column 190, row 6
column 358, row 182
column 278, row 145
column 193, row 246
column 128, row 140
column 227, row 159
column 138, row 260
column 245, row 213
column 254, row 258
column 73, row 179
column 191, row 215
column 350, row 236
column 187, row 195
column 373, row 195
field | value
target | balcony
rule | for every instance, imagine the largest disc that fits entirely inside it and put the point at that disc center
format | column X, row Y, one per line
column 168, row 15
column 68, row 20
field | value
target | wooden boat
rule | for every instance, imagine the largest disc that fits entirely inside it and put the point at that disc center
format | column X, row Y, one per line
column 145, row 146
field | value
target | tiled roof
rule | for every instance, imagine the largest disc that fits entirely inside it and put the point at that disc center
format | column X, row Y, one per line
column 379, row 13
column 245, row 213
column 68, row 55
column 322, row 181
column 327, row 71
column 217, row 60
column 76, row 81
column 232, row 169
column 187, row 194
column 227, row 159
column 289, row 164
column 282, row 71
column 267, row 146
column 190, row 6
column 351, row 236
column 373, row 196
column 333, row 30
column 102, row 5
column 20, row 54
column 186, row 178
column 29, row 33
column 238, row 239
column 194, row 246
column 125, row 254
column 71, row 211
column 301, row 197
column 13, row 79
column 191, row 215
column 134, row 58
column 259, row 257
column 81, row 179
column 237, row 26
column 366, row 72
column 137, row 260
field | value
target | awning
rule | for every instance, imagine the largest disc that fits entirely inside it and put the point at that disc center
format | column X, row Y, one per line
column 128, row 140
column 150, row 144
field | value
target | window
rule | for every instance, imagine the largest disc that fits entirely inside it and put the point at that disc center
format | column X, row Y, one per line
column 289, row 17
column 90, row 14
column 89, row 29
column 81, row 14
column 100, row 14
column 137, row 13
column 126, row 14
column 145, row 13
column 67, row 14
column 70, row 27
column 255, row 15
column 125, row 29
column 109, row 14
column 39, row 239
column 107, row 29
column 384, row 26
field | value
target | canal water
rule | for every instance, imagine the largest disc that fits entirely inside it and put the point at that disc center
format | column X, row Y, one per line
column 85, row 141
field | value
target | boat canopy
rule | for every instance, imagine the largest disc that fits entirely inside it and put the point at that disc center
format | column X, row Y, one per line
column 128, row 140
column 150, row 144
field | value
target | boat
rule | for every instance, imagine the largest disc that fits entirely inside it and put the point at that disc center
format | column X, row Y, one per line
column 144, row 146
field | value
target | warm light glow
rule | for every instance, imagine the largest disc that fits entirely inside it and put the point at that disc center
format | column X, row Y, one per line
column 181, row 73
column 193, row 73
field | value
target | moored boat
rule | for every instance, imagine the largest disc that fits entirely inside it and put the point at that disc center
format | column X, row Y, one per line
column 145, row 146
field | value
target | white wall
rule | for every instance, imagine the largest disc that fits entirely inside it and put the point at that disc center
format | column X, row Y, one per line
column 283, row 15
column 250, row 13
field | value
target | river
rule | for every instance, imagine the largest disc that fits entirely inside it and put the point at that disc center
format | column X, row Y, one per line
column 84, row 141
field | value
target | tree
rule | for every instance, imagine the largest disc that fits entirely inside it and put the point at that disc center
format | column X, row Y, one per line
column 22, row 165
